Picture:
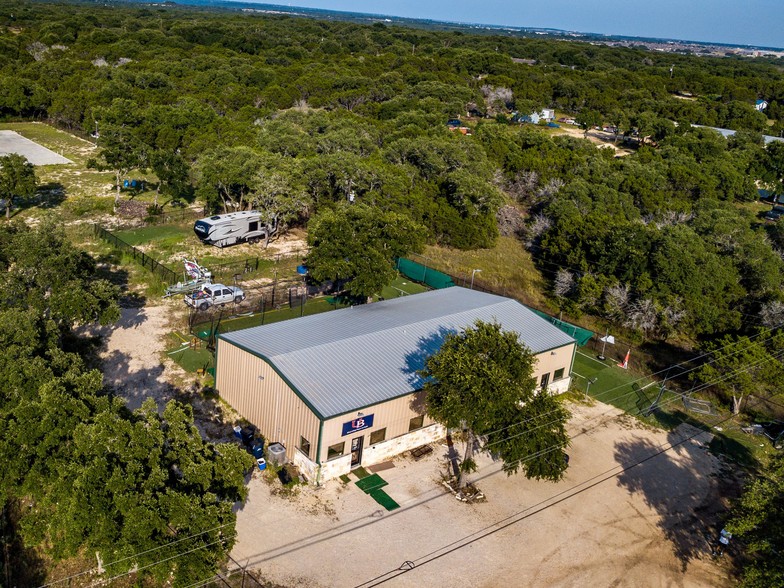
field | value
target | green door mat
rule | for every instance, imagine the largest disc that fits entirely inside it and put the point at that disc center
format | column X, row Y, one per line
column 384, row 499
column 371, row 483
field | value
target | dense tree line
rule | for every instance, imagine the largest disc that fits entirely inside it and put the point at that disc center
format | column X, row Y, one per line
column 172, row 89
column 344, row 125
column 294, row 116
column 79, row 472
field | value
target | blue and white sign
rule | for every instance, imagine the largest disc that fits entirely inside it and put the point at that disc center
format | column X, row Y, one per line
column 358, row 424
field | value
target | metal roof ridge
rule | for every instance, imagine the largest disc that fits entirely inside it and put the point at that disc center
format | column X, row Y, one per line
column 504, row 301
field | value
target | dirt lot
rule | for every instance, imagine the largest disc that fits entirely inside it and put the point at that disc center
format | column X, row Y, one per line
column 599, row 138
column 651, row 525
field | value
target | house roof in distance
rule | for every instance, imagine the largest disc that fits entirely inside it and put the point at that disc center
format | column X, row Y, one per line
column 348, row 359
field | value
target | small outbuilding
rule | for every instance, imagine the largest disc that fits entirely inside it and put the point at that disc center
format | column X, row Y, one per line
column 341, row 389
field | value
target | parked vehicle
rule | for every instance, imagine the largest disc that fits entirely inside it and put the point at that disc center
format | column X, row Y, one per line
column 775, row 214
column 214, row 294
column 223, row 230
column 200, row 277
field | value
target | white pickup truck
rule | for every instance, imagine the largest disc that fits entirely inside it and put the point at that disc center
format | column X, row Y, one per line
column 213, row 294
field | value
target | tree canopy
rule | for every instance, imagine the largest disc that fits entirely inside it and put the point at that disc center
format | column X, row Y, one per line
column 17, row 180
column 481, row 382
column 757, row 522
column 357, row 245
column 136, row 487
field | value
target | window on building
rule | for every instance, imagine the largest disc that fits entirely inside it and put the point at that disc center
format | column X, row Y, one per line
column 558, row 375
column 336, row 450
column 378, row 436
column 545, row 380
column 304, row 446
column 416, row 423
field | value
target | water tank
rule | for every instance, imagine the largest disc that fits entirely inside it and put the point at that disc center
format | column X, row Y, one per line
column 277, row 453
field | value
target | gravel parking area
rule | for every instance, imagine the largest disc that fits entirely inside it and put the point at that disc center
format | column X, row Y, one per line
column 648, row 525
column 13, row 142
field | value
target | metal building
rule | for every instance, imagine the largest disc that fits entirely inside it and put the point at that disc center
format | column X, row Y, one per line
column 341, row 389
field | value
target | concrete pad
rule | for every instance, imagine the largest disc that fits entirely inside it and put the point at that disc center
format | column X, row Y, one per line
column 13, row 142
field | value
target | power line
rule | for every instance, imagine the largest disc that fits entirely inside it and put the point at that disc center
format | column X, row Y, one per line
column 642, row 379
column 522, row 515
column 518, row 462
column 134, row 556
column 300, row 544
column 139, row 569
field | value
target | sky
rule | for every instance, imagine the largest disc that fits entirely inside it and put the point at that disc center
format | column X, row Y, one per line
column 742, row 22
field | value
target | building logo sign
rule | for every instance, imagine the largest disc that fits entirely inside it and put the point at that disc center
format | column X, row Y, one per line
column 358, row 424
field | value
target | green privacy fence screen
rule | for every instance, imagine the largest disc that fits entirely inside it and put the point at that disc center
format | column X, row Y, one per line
column 421, row 273
column 437, row 280
column 582, row 336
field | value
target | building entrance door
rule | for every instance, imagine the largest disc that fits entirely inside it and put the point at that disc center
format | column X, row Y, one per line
column 356, row 451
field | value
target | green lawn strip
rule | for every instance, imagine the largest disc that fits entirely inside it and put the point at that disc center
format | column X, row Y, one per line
column 316, row 306
column 144, row 235
column 384, row 499
column 401, row 286
column 618, row 387
column 192, row 360
column 614, row 386
column 371, row 483
column 360, row 472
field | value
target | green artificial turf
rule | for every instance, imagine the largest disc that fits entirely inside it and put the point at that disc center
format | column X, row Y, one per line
column 192, row 359
column 402, row 287
column 371, row 483
column 384, row 499
column 360, row 472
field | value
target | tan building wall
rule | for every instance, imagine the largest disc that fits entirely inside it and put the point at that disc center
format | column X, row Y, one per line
column 551, row 361
column 394, row 416
column 258, row 393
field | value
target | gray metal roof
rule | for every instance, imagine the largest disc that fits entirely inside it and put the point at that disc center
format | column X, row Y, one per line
column 351, row 358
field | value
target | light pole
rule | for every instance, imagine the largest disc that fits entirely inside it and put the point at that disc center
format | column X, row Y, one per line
column 588, row 386
column 473, row 273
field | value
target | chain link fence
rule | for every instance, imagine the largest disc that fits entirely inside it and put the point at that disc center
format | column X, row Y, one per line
column 159, row 270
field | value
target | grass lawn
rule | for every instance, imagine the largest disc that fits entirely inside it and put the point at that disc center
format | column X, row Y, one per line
column 507, row 267
column 76, row 190
column 402, row 286
column 144, row 235
column 634, row 395
column 70, row 146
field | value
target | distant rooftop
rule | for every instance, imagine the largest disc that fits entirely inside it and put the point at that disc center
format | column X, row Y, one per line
column 347, row 359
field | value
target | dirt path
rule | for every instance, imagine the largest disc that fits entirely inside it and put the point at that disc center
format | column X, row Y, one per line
column 599, row 138
column 651, row 525
column 132, row 355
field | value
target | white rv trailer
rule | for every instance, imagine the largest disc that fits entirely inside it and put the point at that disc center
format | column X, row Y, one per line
column 223, row 230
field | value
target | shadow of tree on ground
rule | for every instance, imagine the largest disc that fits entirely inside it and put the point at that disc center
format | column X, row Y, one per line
column 686, row 487
column 22, row 565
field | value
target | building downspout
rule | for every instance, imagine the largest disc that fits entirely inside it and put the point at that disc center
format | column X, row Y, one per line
column 571, row 366
column 318, row 453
